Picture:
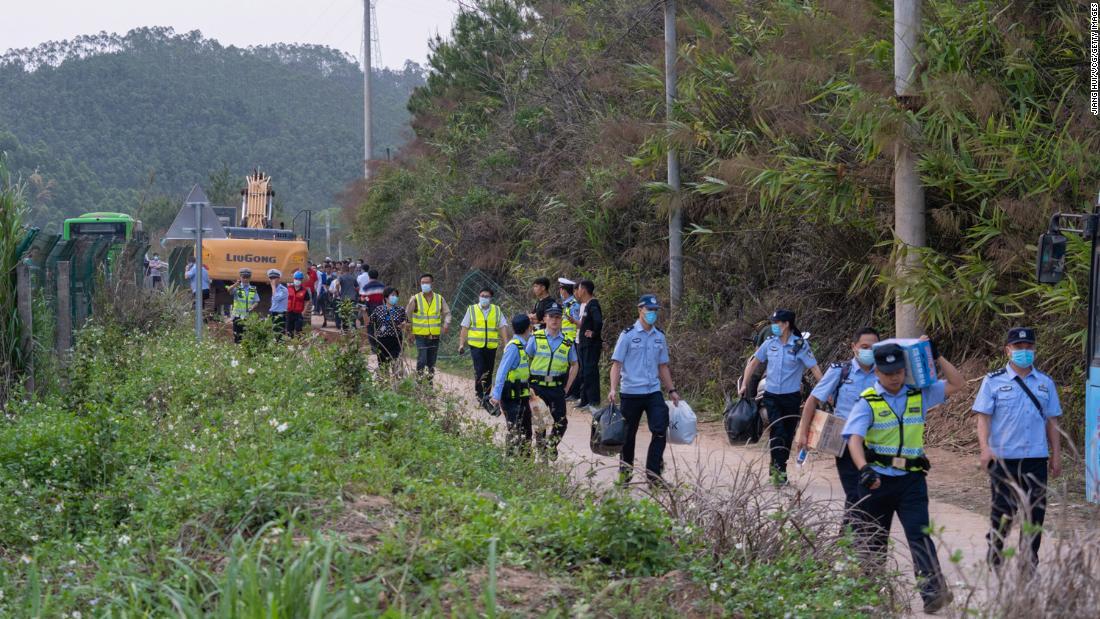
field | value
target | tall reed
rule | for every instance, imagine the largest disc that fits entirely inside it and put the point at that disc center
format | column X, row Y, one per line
column 12, row 210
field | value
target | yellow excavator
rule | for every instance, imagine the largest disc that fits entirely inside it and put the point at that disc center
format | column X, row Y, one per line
column 256, row 243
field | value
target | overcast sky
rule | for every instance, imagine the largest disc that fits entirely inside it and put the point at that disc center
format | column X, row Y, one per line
column 404, row 26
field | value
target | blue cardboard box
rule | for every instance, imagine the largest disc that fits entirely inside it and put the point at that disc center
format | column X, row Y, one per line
column 920, row 368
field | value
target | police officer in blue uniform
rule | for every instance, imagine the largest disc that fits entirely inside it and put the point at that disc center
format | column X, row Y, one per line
column 1017, row 410
column 885, row 434
column 553, row 370
column 840, row 387
column 788, row 356
column 639, row 367
column 511, row 389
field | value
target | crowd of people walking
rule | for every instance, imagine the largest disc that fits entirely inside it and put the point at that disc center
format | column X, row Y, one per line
column 551, row 355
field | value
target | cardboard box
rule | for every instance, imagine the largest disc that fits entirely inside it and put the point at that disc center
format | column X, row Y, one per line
column 920, row 368
column 825, row 434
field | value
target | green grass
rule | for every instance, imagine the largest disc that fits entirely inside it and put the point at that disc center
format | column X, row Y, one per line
column 185, row 479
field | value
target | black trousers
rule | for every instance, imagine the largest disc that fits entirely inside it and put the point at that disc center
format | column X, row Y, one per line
column 906, row 496
column 555, row 399
column 1010, row 481
column 656, row 415
column 294, row 323
column 238, row 330
column 783, row 414
column 517, row 413
column 484, row 359
column 427, row 350
column 849, row 480
column 589, row 361
column 389, row 348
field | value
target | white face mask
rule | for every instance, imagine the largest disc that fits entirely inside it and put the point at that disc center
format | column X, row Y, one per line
column 425, row 288
column 297, row 283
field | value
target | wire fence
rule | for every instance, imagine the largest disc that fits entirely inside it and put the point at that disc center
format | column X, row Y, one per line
column 466, row 295
column 63, row 276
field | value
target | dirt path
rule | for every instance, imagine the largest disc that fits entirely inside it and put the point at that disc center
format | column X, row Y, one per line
column 953, row 479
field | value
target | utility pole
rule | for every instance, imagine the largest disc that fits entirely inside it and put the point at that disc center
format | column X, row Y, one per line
column 328, row 233
column 908, row 192
column 675, row 214
column 366, row 88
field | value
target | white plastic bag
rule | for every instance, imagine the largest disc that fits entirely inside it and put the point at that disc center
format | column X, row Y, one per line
column 681, row 424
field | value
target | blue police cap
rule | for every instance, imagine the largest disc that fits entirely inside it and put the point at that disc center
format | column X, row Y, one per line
column 782, row 315
column 889, row 358
column 1020, row 334
column 649, row 301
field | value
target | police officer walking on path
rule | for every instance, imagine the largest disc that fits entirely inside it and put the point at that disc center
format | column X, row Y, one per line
column 511, row 389
column 482, row 327
column 840, row 387
column 639, row 368
column 1017, row 411
column 245, row 298
column 885, row 434
column 430, row 319
column 569, row 319
column 553, row 370
column 788, row 357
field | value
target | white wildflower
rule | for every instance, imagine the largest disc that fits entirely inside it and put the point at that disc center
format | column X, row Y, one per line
column 309, row 394
column 739, row 545
column 837, row 604
column 123, row 540
column 251, row 370
column 60, row 507
column 54, row 462
column 839, row 566
column 281, row 427
column 713, row 587
column 234, row 363
column 26, row 559
column 34, row 538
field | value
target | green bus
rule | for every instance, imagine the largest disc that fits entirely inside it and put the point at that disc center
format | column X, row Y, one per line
column 120, row 227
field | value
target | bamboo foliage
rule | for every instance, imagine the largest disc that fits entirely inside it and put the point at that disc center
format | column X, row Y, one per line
column 12, row 210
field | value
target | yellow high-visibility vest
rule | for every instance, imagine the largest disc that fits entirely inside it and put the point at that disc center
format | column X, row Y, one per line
column 483, row 329
column 427, row 318
column 568, row 327
column 892, row 435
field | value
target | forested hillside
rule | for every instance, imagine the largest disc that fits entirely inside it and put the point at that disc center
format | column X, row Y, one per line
column 541, row 151
column 110, row 122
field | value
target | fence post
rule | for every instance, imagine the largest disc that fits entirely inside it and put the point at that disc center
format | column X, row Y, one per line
column 64, row 310
column 26, row 321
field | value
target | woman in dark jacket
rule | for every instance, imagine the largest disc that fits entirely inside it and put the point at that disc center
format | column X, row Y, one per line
column 389, row 321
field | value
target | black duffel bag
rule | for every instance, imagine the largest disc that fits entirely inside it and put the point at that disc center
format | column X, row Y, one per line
column 742, row 421
column 608, row 431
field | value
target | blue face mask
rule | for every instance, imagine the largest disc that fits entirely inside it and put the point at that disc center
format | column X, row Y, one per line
column 866, row 357
column 425, row 288
column 1023, row 358
column 651, row 317
column 776, row 330
column 393, row 299
column 484, row 301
